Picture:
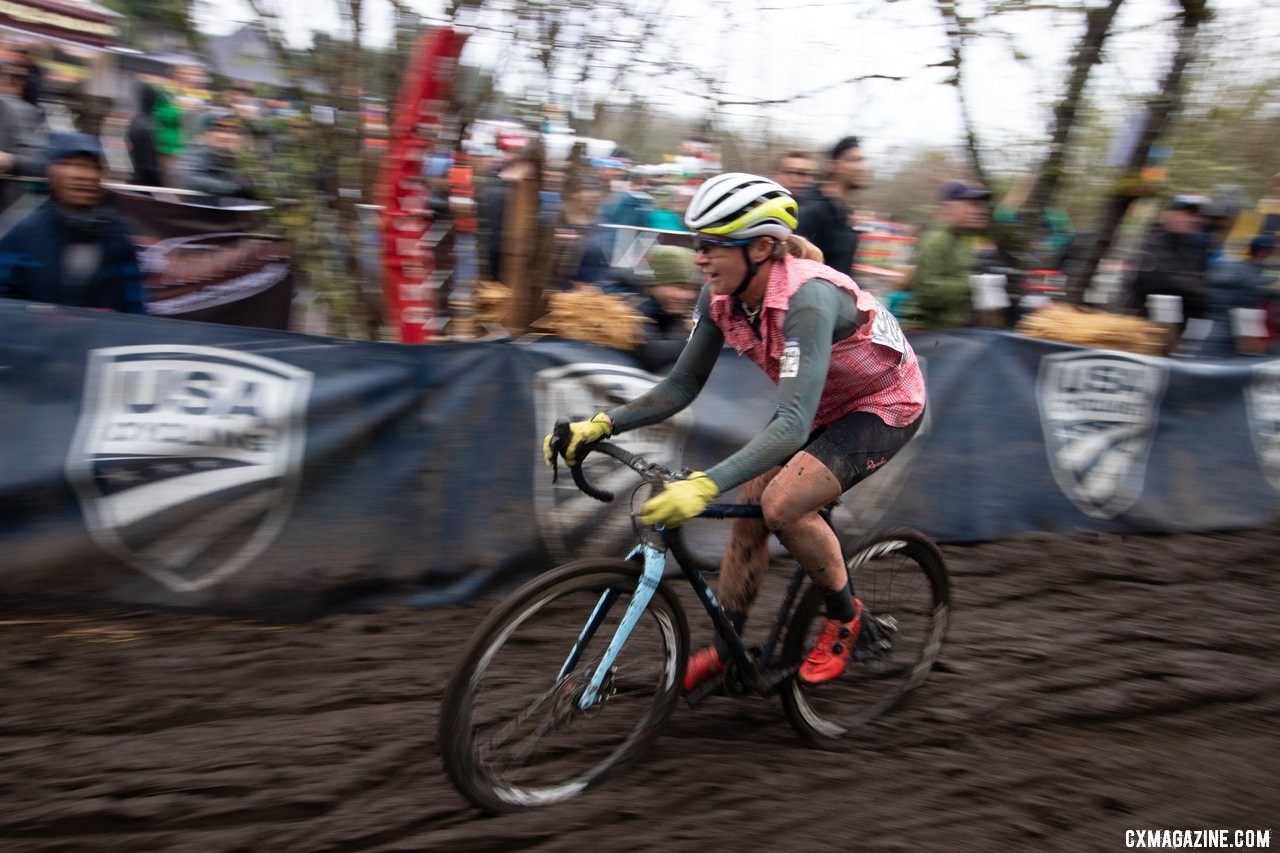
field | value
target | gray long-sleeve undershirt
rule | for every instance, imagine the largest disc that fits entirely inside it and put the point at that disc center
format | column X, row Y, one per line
column 819, row 315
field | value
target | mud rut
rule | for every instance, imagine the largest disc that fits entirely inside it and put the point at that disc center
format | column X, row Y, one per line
column 1090, row 685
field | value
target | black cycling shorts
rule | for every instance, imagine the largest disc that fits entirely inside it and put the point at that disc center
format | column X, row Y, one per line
column 857, row 445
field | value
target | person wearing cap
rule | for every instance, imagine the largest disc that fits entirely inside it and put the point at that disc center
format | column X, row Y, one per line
column 1173, row 260
column 940, row 295
column 212, row 165
column 74, row 249
column 826, row 212
column 670, row 294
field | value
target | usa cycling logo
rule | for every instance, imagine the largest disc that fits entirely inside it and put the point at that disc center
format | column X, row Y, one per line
column 185, row 459
column 571, row 523
column 1262, row 397
column 1099, row 414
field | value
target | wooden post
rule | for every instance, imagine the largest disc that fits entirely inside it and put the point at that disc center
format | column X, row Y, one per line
column 519, row 244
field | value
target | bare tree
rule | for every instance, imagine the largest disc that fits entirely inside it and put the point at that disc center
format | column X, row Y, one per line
column 1087, row 55
column 1013, row 241
column 1161, row 109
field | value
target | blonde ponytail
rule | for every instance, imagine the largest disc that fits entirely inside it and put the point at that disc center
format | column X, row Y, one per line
column 797, row 247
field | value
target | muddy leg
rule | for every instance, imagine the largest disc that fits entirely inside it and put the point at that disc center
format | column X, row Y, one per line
column 746, row 556
column 791, row 503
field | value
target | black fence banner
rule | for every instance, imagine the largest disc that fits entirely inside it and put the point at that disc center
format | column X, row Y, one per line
column 160, row 462
column 206, row 263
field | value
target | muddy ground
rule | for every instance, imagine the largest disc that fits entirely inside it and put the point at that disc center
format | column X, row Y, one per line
column 1090, row 685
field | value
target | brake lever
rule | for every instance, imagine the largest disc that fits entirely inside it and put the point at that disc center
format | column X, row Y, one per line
column 560, row 436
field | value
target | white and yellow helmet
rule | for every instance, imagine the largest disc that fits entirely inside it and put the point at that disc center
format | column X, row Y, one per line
column 742, row 206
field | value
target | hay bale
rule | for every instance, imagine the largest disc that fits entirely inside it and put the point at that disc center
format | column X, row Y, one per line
column 585, row 313
column 492, row 300
column 1096, row 329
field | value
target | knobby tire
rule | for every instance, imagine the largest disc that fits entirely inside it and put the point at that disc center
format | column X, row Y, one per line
column 511, row 733
column 900, row 576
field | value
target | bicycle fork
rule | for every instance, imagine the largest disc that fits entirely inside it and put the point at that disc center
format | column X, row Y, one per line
column 654, row 564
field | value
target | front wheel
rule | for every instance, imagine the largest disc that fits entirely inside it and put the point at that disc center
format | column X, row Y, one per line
column 513, row 730
column 900, row 576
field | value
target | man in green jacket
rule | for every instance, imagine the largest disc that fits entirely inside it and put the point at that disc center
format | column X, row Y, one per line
column 168, row 135
column 941, row 298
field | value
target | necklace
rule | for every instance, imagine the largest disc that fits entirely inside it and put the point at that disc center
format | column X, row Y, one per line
column 753, row 313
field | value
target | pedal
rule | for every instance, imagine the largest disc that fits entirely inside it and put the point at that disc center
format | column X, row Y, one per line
column 705, row 689
column 772, row 680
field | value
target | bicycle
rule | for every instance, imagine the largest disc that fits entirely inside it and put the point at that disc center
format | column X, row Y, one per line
column 586, row 662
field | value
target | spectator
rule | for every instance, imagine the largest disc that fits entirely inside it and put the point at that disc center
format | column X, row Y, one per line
column 170, row 138
column 143, row 153
column 670, row 296
column 580, row 254
column 1173, row 259
column 796, row 170
column 462, row 208
column 612, row 174
column 246, row 106
column 28, row 58
column 1269, row 208
column 22, row 140
column 74, row 249
column 212, row 167
column 945, row 256
column 632, row 207
column 1220, row 214
column 191, row 95
column 1237, row 284
column 826, row 214
column 669, row 205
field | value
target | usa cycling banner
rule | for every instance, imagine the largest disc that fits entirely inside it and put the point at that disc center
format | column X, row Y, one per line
column 151, row 461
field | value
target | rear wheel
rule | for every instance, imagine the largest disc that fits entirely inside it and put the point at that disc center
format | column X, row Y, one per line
column 513, row 733
column 900, row 576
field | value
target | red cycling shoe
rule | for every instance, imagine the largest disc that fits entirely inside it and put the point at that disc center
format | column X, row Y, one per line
column 703, row 665
column 831, row 651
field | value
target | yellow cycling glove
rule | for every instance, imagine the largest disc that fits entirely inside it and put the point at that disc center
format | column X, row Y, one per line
column 680, row 501
column 581, row 434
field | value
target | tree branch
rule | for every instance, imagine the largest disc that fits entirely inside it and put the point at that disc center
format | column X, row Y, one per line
column 765, row 102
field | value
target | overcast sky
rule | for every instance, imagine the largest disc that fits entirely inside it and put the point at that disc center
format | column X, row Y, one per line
column 786, row 49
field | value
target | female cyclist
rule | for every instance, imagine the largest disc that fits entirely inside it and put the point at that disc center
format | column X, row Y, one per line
column 850, row 395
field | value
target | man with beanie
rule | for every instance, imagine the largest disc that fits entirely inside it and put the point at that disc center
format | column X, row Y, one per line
column 826, row 214
column 74, row 249
column 669, row 299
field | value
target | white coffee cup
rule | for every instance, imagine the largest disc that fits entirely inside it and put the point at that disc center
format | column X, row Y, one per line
column 1249, row 322
column 1164, row 308
column 989, row 292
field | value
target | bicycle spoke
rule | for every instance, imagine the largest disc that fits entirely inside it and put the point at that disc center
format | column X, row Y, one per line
column 507, row 750
column 902, row 583
column 510, row 728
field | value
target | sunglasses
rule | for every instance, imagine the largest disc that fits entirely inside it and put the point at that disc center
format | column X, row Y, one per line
column 707, row 244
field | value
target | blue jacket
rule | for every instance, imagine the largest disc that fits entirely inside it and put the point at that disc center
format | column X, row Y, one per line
column 31, row 266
